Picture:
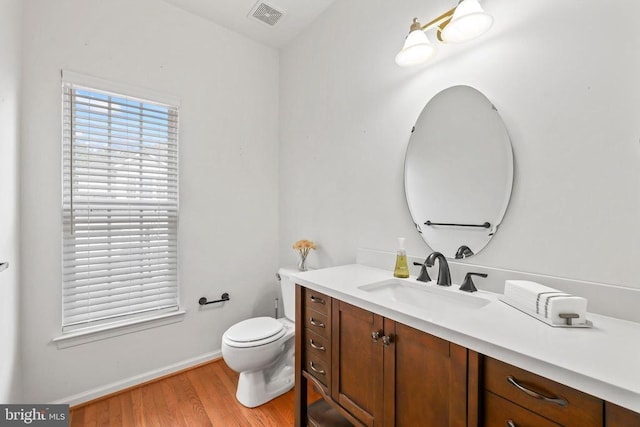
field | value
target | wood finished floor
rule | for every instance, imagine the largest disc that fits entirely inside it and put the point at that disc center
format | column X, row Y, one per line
column 203, row 396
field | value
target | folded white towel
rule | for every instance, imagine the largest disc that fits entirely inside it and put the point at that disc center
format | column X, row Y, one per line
column 545, row 302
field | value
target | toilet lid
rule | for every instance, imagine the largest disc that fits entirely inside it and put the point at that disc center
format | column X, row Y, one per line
column 255, row 329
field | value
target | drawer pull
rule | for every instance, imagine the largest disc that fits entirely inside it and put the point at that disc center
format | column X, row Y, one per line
column 316, row 370
column 317, row 300
column 315, row 323
column 316, row 346
column 557, row 400
column 510, row 423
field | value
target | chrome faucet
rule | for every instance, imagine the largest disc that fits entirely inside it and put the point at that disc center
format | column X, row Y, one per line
column 444, row 276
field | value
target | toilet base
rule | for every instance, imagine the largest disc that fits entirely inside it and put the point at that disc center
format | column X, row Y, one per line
column 258, row 387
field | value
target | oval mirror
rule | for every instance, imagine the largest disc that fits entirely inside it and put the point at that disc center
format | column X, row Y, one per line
column 458, row 172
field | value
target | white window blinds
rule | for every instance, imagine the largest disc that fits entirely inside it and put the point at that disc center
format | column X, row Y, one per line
column 120, row 207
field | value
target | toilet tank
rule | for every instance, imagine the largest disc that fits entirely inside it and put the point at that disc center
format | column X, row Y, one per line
column 288, row 287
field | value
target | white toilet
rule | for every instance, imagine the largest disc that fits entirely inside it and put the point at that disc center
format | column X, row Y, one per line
column 261, row 349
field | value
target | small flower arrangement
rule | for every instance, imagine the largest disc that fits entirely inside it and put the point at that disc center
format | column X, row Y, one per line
column 303, row 247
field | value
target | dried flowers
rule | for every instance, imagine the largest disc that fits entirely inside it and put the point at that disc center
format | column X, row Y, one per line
column 303, row 247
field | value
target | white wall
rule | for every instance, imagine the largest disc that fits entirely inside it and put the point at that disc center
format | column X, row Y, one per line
column 564, row 76
column 228, row 87
column 10, row 30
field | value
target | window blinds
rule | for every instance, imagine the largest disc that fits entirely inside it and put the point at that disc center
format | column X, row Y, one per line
column 120, row 207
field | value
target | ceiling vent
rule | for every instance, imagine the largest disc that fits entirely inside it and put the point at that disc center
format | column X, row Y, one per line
column 265, row 13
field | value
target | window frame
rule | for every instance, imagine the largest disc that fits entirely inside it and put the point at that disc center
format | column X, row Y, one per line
column 143, row 319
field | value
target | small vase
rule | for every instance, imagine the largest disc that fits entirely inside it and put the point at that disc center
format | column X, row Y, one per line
column 302, row 263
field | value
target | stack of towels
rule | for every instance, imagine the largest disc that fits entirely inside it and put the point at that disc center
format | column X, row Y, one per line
column 545, row 303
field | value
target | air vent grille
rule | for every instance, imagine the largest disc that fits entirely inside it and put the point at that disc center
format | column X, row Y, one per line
column 265, row 13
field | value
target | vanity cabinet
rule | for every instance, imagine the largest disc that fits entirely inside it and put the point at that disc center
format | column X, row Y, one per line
column 374, row 371
column 515, row 397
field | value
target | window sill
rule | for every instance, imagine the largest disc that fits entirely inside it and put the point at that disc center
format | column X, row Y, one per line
column 111, row 330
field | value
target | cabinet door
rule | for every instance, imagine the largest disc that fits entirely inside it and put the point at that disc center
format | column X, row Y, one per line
column 425, row 380
column 356, row 362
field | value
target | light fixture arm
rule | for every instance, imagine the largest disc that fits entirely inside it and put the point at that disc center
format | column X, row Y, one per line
column 441, row 21
column 438, row 20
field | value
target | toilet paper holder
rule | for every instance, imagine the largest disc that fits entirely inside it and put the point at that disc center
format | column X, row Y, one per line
column 224, row 297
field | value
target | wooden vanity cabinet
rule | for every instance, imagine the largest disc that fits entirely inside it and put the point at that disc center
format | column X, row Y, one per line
column 380, row 372
column 373, row 371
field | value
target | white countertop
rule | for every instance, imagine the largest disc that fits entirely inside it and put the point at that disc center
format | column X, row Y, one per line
column 603, row 361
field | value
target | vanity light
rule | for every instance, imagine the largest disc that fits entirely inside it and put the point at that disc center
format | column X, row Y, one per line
column 417, row 48
column 464, row 22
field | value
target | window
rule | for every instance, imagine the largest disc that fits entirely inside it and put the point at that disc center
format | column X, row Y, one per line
column 120, row 205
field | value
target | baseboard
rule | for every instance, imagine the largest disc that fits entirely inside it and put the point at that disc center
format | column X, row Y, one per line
column 138, row 380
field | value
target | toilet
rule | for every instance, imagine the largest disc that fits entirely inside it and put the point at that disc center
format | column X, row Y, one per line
column 261, row 349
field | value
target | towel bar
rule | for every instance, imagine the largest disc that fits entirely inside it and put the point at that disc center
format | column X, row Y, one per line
column 224, row 297
column 483, row 225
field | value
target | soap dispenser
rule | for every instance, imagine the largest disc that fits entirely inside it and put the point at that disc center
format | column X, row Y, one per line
column 402, row 268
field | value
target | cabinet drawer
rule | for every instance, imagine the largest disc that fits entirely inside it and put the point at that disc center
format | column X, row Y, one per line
column 555, row 401
column 318, row 345
column 500, row 412
column 317, row 301
column 317, row 323
column 317, row 366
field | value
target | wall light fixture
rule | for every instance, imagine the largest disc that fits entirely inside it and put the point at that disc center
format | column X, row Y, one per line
column 464, row 22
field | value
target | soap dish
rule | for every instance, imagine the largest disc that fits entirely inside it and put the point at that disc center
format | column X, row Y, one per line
column 570, row 316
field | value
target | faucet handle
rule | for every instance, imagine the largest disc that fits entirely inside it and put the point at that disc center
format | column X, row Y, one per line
column 423, row 276
column 467, row 283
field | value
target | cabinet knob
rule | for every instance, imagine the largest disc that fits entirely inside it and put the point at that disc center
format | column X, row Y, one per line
column 387, row 340
column 510, row 423
column 375, row 335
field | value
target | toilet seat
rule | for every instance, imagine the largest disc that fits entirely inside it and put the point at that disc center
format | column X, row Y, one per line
column 254, row 332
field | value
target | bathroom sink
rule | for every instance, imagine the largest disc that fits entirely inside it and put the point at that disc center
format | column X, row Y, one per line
column 425, row 295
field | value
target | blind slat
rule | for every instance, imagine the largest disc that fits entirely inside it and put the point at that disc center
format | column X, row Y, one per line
column 102, row 277
column 88, row 318
column 120, row 306
column 100, row 263
column 78, row 299
column 101, row 286
column 99, row 250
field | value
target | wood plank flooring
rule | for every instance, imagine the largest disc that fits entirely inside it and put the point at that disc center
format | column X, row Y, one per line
column 203, row 396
